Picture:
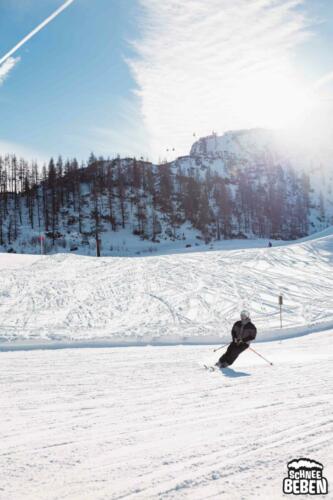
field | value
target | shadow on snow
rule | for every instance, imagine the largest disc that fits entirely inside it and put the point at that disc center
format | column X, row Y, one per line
column 229, row 372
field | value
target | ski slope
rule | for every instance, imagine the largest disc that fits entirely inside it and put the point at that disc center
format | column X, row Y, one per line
column 147, row 423
column 178, row 298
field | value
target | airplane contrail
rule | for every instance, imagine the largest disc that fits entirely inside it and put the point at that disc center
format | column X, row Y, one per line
column 36, row 30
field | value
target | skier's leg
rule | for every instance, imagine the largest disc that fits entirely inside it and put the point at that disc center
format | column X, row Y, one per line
column 226, row 358
column 237, row 351
column 232, row 353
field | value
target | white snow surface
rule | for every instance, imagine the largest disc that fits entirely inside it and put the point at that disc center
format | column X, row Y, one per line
column 147, row 423
column 182, row 298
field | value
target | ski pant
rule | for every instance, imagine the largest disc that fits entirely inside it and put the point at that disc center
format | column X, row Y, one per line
column 232, row 352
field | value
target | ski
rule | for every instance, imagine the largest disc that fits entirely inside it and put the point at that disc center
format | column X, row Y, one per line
column 210, row 368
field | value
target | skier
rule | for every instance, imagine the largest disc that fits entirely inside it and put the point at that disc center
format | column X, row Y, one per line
column 242, row 333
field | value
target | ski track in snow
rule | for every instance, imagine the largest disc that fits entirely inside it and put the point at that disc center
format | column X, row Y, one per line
column 182, row 296
column 151, row 423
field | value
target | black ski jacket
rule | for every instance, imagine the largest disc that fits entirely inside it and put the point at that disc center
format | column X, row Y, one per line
column 246, row 332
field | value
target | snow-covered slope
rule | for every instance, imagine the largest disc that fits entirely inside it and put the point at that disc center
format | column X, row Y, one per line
column 150, row 423
column 321, row 234
column 192, row 297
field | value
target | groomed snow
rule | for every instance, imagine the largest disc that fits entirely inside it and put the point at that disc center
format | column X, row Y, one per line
column 147, row 423
column 178, row 298
column 143, row 423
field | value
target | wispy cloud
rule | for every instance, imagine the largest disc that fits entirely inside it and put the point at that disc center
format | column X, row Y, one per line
column 34, row 32
column 7, row 67
column 213, row 64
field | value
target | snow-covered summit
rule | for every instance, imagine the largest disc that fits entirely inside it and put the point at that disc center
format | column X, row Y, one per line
column 232, row 140
column 259, row 153
column 246, row 144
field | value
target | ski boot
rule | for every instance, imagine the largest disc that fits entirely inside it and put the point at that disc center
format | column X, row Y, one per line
column 224, row 364
column 221, row 364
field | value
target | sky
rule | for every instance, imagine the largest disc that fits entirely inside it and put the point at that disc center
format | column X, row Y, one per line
column 147, row 78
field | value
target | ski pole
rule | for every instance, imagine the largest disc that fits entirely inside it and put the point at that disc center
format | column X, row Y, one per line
column 251, row 348
column 220, row 347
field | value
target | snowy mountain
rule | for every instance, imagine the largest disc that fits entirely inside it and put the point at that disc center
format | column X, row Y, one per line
column 253, row 145
column 244, row 184
column 263, row 146
column 263, row 149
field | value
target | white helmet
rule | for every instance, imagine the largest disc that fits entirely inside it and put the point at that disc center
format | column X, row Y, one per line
column 244, row 314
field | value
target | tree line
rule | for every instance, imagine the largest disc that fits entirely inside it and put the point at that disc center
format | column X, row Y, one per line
column 152, row 201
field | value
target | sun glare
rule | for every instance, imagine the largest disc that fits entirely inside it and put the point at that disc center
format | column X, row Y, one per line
column 273, row 101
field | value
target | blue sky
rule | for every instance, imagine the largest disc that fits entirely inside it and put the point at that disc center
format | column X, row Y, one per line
column 71, row 81
column 140, row 77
